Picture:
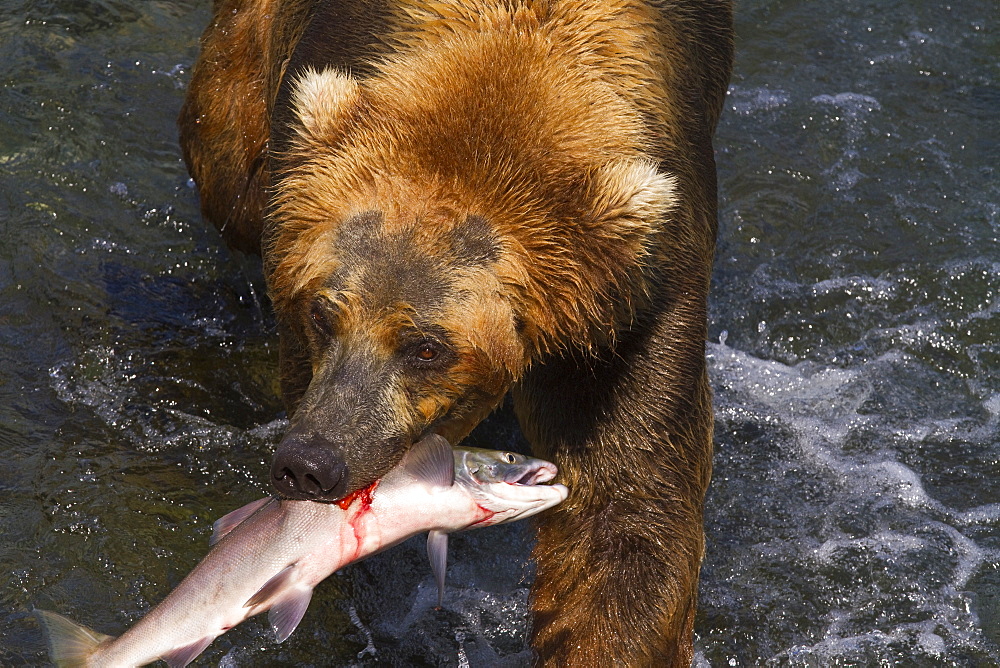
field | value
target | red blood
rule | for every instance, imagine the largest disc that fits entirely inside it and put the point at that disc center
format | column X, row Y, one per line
column 486, row 516
column 364, row 494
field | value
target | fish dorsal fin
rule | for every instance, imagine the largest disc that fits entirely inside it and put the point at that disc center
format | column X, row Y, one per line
column 437, row 552
column 70, row 644
column 431, row 461
column 230, row 521
column 286, row 614
column 182, row 656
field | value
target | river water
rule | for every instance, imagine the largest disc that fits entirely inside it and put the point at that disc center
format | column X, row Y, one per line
column 854, row 517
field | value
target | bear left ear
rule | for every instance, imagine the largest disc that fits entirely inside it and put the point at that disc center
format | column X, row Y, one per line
column 629, row 198
column 628, row 202
column 322, row 100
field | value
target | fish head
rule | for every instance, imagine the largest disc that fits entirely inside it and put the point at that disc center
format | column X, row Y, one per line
column 510, row 486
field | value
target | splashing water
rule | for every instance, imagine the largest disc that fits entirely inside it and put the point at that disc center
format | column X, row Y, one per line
column 853, row 517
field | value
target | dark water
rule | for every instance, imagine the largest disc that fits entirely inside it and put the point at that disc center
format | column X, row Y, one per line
column 854, row 518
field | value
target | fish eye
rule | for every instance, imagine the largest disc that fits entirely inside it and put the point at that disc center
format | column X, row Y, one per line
column 509, row 458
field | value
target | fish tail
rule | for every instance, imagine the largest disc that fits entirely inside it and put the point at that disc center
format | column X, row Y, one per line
column 70, row 645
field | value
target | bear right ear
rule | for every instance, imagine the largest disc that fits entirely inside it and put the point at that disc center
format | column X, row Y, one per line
column 321, row 101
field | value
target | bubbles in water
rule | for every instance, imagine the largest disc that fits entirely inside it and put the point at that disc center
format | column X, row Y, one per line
column 748, row 101
column 879, row 567
column 851, row 105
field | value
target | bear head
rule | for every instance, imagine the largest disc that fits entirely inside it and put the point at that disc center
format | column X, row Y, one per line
column 436, row 229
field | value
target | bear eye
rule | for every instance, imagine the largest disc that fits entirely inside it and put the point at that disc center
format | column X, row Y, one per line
column 426, row 353
column 321, row 320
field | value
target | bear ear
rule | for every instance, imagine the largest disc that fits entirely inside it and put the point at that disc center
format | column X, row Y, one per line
column 630, row 199
column 322, row 100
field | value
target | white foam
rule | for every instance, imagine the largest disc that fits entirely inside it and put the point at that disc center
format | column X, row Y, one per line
column 852, row 103
column 882, row 542
column 853, row 286
column 894, row 519
column 746, row 101
column 970, row 556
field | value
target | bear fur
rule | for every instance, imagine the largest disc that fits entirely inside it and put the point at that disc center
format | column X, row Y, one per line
column 460, row 199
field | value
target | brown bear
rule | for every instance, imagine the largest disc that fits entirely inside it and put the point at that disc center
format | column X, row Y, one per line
column 457, row 199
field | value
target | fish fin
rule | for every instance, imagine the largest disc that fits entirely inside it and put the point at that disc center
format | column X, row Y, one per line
column 230, row 521
column 431, row 461
column 70, row 644
column 281, row 580
column 286, row 614
column 437, row 552
column 182, row 656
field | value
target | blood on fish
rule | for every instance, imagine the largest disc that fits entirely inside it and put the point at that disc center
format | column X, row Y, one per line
column 365, row 494
column 486, row 515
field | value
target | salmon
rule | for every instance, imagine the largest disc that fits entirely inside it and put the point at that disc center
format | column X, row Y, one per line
column 269, row 555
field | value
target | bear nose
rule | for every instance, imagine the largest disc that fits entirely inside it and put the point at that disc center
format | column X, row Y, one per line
column 308, row 469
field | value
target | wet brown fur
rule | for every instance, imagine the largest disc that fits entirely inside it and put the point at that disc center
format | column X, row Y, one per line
column 539, row 184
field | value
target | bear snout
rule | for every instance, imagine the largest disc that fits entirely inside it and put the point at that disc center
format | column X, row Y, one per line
column 309, row 468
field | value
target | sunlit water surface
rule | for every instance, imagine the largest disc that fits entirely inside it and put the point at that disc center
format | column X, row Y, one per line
column 853, row 519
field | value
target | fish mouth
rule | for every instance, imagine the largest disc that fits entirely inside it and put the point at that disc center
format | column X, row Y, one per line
column 534, row 473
